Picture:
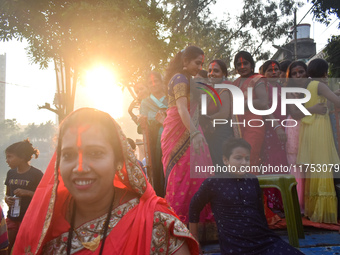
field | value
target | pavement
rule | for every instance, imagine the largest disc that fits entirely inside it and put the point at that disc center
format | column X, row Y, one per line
column 317, row 241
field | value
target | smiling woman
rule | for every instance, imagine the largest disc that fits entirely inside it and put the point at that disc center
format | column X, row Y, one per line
column 102, row 92
column 95, row 199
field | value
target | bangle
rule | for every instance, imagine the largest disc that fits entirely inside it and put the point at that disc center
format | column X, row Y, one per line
column 194, row 134
column 276, row 127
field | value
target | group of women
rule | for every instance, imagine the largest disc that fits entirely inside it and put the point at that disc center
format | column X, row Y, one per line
column 309, row 142
column 95, row 199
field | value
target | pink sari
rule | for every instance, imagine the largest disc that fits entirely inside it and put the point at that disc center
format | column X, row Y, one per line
column 180, row 187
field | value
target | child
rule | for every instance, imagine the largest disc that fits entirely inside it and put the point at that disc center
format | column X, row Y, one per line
column 21, row 181
column 236, row 202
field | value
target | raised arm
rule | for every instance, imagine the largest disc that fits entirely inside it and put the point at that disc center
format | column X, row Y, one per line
column 325, row 91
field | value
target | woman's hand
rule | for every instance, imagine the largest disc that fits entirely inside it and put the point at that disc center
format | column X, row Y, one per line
column 281, row 134
column 198, row 142
column 143, row 121
column 319, row 108
column 337, row 92
column 160, row 116
column 9, row 200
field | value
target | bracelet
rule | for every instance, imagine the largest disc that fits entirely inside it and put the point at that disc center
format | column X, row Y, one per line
column 276, row 127
column 194, row 134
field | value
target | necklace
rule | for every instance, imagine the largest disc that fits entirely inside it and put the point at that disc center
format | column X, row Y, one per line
column 92, row 245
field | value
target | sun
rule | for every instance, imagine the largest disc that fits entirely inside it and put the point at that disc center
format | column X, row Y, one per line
column 102, row 91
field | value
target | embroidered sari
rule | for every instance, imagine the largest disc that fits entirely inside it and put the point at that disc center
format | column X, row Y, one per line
column 253, row 135
column 143, row 225
column 175, row 141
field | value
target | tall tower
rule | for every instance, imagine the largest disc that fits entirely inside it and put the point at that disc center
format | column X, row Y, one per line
column 2, row 86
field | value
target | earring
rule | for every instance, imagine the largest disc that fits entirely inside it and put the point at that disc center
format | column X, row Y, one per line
column 119, row 169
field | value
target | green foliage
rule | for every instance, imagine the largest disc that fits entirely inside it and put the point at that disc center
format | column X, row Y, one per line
column 260, row 22
column 41, row 136
column 333, row 56
column 324, row 9
column 122, row 33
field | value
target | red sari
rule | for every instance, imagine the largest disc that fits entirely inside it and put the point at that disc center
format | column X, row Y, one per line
column 135, row 231
column 253, row 135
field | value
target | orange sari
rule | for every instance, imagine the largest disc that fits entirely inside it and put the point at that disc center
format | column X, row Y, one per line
column 44, row 225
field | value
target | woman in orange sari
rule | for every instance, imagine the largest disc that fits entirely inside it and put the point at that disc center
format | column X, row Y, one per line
column 95, row 199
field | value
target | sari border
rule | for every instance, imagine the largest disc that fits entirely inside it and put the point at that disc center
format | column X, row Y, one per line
column 179, row 150
column 49, row 213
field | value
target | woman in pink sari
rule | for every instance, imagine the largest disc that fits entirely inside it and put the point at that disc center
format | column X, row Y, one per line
column 253, row 133
column 181, row 126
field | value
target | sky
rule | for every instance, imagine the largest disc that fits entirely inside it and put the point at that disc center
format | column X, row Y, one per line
column 28, row 86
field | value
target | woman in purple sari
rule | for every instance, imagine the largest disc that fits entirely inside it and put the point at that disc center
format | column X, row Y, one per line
column 182, row 132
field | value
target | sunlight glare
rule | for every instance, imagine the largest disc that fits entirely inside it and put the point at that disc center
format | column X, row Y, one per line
column 103, row 92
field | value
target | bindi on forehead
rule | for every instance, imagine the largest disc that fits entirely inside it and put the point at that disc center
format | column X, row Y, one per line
column 80, row 130
column 152, row 79
column 242, row 62
column 273, row 66
column 212, row 67
column 202, row 62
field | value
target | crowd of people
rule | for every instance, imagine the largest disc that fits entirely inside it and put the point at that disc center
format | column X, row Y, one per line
column 97, row 197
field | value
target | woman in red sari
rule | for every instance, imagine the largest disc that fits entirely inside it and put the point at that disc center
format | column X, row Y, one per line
column 95, row 199
column 244, row 64
column 180, row 128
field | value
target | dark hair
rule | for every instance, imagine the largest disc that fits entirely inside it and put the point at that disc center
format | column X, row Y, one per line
column 90, row 116
column 247, row 56
column 267, row 64
column 203, row 73
column 294, row 64
column 23, row 150
column 233, row 143
column 176, row 64
column 261, row 70
column 317, row 68
column 221, row 64
column 132, row 143
column 284, row 65
column 155, row 74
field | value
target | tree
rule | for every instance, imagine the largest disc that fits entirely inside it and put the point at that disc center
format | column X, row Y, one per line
column 324, row 9
column 260, row 22
column 9, row 129
column 332, row 51
column 126, row 35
